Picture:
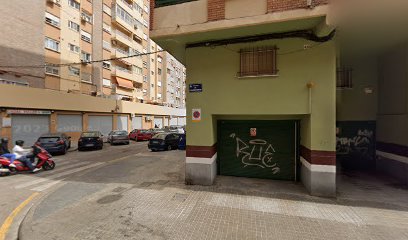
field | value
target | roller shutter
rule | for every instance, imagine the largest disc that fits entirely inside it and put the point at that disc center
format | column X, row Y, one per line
column 173, row 121
column 123, row 123
column 100, row 123
column 272, row 153
column 69, row 123
column 158, row 121
column 29, row 127
column 181, row 121
column 137, row 123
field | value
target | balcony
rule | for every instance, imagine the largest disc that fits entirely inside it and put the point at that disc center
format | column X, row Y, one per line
column 162, row 3
column 122, row 72
column 126, row 21
column 122, row 37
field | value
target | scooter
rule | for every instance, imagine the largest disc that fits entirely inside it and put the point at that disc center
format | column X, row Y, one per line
column 44, row 161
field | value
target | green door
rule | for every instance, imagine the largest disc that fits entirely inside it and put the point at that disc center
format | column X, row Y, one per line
column 258, row 149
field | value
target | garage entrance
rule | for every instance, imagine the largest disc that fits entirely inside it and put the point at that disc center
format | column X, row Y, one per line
column 29, row 127
column 100, row 123
column 258, row 149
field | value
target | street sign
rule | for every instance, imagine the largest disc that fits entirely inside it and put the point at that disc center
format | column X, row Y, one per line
column 196, row 87
column 196, row 116
column 31, row 112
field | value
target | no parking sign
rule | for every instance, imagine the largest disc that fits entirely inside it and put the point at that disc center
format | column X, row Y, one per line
column 196, row 115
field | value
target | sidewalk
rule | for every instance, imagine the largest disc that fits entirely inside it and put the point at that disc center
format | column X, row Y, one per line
column 235, row 208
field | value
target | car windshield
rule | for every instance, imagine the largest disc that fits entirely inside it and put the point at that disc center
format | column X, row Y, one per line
column 89, row 134
column 120, row 133
column 48, row 139
column 160, row 136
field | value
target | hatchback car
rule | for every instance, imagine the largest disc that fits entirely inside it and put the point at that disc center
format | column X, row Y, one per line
column 55, row 143
column 90, row 140
column 140, row 135
column 164, row 141
column 118, row 136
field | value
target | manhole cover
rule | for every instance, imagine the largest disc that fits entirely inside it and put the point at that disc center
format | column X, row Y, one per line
column 180, row 197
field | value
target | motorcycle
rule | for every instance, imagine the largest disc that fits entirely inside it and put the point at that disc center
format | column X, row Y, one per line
column 44, row 161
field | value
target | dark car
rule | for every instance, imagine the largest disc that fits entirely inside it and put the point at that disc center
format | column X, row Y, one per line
column 55, row 143
column 164, row 141
column 90, row 140
column 140, row 135
column 118, row 136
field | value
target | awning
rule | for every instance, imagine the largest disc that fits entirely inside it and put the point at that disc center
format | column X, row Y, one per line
column 124, row 83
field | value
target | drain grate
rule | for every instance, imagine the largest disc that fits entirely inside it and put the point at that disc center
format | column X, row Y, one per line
column 180, row 197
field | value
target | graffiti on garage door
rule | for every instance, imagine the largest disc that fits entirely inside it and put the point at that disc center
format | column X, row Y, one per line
column 256, row 152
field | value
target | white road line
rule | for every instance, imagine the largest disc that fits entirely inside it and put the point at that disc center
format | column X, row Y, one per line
column 46, row 186
column 56, row 176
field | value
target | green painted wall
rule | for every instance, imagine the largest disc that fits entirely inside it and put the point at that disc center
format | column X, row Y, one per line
column 355, row 104
column 392, row 123
column 225, row 94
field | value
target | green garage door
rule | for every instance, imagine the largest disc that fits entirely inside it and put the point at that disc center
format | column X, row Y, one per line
column 259, row 149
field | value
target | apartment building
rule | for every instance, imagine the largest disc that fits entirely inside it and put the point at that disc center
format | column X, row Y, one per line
column 68, row 61
column 175, row 83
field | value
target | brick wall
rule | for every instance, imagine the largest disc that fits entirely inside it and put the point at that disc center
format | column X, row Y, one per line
column 152, row 5
column 284, row 5
column 216, row 10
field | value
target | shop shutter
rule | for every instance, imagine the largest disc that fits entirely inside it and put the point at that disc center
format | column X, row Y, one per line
column 69, row 123
column 100, row 123
column 166, row 122
column 158, row 121
column 29, row 127
column 181, row 121
column 137, row 123
column 173, row 121
column 123, row 123
column 272, row 153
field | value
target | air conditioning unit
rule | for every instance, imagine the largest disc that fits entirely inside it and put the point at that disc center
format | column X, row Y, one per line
column 83, row 18
column 54, row 1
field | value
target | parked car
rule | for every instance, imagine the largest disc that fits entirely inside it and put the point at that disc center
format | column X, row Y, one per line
column 182, row 142
column 164, row 141
column 177, row 129
column 118, row 136
column 155, row 131
column 55, row 143
column 140, row 135
column 90, row 140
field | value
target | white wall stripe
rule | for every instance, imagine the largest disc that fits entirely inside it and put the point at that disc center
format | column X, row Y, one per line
column 201, row 160
column 318, row 168
column 393, row 156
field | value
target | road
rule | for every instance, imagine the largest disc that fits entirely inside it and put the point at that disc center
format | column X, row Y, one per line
column 127, row 192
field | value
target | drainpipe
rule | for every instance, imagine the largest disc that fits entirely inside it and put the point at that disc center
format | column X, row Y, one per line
column 310, row 85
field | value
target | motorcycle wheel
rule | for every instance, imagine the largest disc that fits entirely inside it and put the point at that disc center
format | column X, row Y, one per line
column 13, row 171
column 48, row 166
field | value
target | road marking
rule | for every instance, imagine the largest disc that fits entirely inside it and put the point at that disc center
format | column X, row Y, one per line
column 50, row 177
column 9, row 220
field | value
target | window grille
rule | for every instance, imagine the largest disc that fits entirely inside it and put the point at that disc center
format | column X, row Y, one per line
column 344, row 77
column 259, row 61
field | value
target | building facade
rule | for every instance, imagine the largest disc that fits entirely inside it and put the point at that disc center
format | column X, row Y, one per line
column 70, row 49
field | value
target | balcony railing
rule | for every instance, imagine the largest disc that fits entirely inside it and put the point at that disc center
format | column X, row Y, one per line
column 162, row 3
column 119, row 33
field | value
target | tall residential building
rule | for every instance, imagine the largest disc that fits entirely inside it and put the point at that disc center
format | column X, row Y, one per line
column 175, row 87
column 83, row 31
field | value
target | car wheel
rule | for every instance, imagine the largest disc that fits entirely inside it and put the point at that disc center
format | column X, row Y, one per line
column 64, row 151
column 169, row 148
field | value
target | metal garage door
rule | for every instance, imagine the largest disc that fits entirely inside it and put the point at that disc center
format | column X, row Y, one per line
column 29, row 127
column 122, row 123
column 173, row 121
column 259, row 149
column 100, row 123
column 166, row 122
column 137, row 123
column 69, row 123
column 181, row 121
column 158, row 122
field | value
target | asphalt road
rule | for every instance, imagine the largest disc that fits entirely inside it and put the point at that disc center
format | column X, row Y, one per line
column 78, row 174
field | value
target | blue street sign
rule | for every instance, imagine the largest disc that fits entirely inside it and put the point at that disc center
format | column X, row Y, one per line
column 196, row 87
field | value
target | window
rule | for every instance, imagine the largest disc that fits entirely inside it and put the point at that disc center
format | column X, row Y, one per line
column 107, row 10
column 159, row 59
column 87, row 37
column 258, row 62
column 152, row 72
column 51, row 19
column 145, row 23
column 86, row 57
column 73, row 26
column 152, row 84
column 106, row 27
column 86, row 17
column 74, row 71
column 159, row 71
column 137, row 70
column 73, row 4
column 73, row 48
column 106, row 64
column 106, row 45
column 152, row 60
column 144, row 78
column 146, row 9
column 52, row 70
column 51, row 44
column 144, row 64
column 106, row 82
column 125, row 16
column 168, row 71
column 144, row 36
column 344, row 77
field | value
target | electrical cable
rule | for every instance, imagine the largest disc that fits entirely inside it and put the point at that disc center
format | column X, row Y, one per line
column 79, row 63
